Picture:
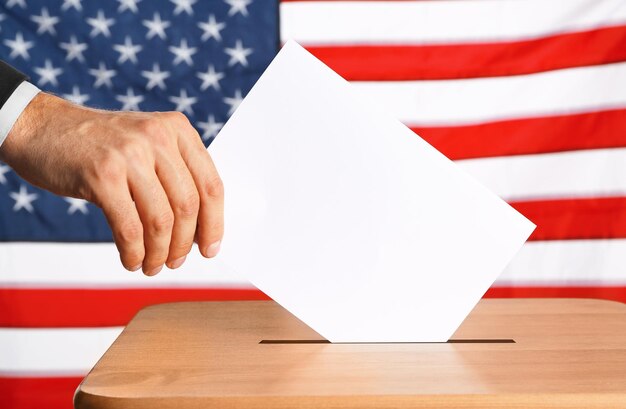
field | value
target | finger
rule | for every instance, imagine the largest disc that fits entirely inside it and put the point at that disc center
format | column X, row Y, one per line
column 210, row 188
column 184, row 201
column 155, row 214
column 121, row 213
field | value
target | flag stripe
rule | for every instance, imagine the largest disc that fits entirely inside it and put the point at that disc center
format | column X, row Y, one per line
column 561, row 175
column 607, row 293
column 436, row 22
column 97, row 265
column 479, row 100
column 538, row 261
column 591, row 130
column 36, row 307
column 53, row 351
column 598, row 262
column 595, row 218
column 37, row 392
column 434, row 62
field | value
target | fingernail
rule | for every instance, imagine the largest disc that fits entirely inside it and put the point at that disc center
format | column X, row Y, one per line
column 212, row 250
column 154, row 271
column 137, row 267
column 177, row 263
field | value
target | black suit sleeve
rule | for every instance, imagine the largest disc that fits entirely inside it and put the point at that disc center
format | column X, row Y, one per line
column 10, row 78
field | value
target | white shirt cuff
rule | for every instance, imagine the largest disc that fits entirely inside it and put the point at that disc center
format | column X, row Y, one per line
column 13, row 107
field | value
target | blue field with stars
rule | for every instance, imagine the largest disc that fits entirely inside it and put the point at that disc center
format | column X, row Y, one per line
column 199, row 57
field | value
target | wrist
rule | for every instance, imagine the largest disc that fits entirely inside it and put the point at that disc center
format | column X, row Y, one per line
column 31, row 122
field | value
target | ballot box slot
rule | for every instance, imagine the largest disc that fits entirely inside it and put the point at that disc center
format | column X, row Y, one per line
column 452, row 341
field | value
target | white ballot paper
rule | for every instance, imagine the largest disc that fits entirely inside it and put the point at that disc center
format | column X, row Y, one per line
column 349, row 220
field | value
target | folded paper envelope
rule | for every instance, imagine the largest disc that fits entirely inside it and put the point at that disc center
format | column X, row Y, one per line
column 348, row 219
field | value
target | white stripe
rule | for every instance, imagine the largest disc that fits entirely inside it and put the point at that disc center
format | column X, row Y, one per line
column 436, row 22
column 586, row 173
column 568, row 263
column 53, row 352
column 467, row 101
column 97, row 265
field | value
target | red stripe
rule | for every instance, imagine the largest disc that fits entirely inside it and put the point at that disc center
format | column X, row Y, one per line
column 37, row 393
column 606, row 293
column 595, row 218
column 98, row 308
column 435, row 62
column 592, row 130
column 38, row 308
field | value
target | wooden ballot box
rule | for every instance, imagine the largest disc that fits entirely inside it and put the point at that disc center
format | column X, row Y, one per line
column 509, row 353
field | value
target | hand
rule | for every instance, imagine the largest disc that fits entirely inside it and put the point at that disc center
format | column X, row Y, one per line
column 149, row 172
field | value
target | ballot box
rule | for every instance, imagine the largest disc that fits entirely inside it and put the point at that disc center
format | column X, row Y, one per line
column 508, row 353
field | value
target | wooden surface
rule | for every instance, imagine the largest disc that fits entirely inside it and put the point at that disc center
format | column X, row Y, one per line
column 567, row 354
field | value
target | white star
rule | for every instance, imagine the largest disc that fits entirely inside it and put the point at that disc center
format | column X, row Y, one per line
column 128, row 5
column 102, row 76
column 211, row 29
column 210, row 78
column 238, row 54
column 156, row 27
column 183, row 52
column 156, row 77
column 45, row 22
column 79, row 205
column 19, row 46
column 130, row 101
column 72, row 3
column 234, row 102
column 74, row 49
column 183, row 5
column 128, row 51
column 184, row 102
column 76, row 97
column 23, row 199
column 210, row 128
column 238, row 6
column 4, row 169
column 100, row 25
column 2, row 18
column 21, row 3
column 48, row 74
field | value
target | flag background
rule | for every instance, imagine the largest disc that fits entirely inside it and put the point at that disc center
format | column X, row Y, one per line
column 528, row 96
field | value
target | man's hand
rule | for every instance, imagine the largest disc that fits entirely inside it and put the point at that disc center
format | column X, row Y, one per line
column 149, row 172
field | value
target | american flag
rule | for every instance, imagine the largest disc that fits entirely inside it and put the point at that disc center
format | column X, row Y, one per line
column 527, row 95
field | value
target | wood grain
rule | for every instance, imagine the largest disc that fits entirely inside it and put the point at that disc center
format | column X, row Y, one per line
column 567, row 354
